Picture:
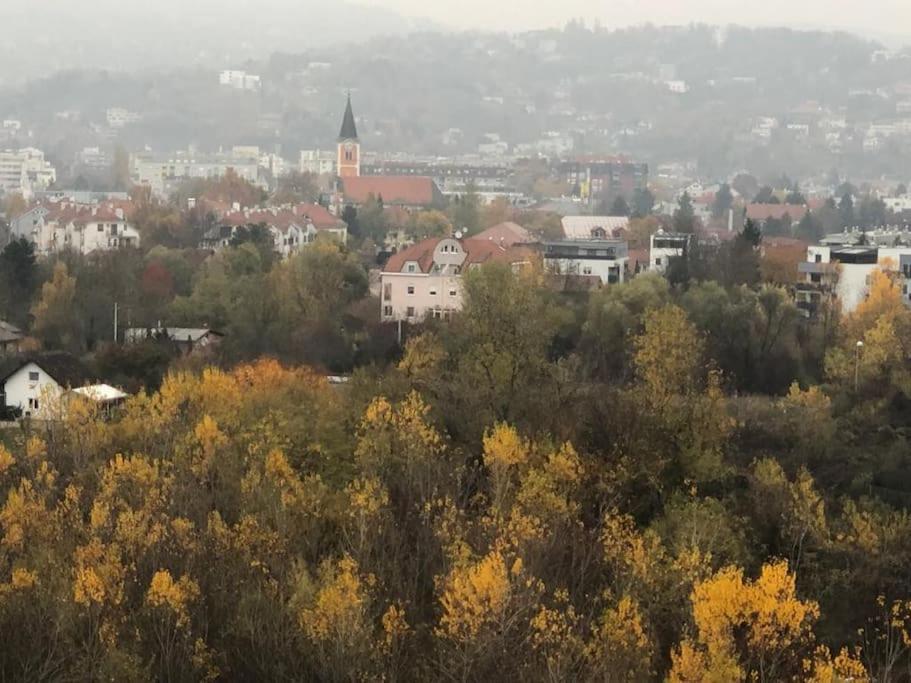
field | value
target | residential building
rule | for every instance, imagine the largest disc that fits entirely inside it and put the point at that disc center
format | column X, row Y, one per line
column 290, row 228
column 10, row 338
column 118, row 117
column 58, row 226
column 317, row 161
column 239, row 80
column 505, row 234
column 25, row 171
column 34, row 384
column 163, row 174
column 596, row 177
column 593, row 227
column 665, row 246
column 839, row 268
column 599, row 257
column 189, row 340
column 425, row 280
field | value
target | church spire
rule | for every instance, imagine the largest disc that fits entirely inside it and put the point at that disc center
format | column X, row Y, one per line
column 349, row 130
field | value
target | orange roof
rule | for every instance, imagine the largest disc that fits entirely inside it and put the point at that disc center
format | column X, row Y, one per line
column 401, row 190
column 762, row 212
column 319, row 215
column 477, row 251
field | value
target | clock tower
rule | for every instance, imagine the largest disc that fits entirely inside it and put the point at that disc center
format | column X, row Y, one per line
column 349, row 147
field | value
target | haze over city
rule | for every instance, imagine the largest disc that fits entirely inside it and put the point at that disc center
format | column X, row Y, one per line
column 396, row 340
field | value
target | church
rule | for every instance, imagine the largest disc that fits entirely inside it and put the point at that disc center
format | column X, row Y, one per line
column 407, row 192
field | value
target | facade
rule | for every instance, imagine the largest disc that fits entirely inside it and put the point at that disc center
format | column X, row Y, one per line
column 593, row 178
column 161, row 174
column 83, row 228
column 25, row 171
column 348, row 160
column 840, row 268
column 665, row 246
column 425, row 280
column 317, row 161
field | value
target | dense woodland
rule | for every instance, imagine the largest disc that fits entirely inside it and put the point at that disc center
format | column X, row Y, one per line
column 677, row 479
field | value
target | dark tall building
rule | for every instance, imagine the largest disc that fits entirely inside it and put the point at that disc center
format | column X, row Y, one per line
column 597, row 178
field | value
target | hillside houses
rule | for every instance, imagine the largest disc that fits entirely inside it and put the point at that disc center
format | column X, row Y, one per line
column 290, row 228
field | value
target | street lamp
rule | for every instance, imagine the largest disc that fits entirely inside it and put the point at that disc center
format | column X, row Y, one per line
column 857, row 349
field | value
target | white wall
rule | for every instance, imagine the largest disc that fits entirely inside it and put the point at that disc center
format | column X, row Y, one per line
column 430, row 292
column 581, row 266
column 20, row 388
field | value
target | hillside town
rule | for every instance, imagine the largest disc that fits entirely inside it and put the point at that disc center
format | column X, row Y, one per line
column 415, row 354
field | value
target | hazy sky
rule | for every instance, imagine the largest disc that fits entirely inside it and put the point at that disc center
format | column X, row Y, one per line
column 888, row 17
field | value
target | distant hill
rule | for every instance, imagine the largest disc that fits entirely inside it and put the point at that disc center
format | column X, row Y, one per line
column 44, row 36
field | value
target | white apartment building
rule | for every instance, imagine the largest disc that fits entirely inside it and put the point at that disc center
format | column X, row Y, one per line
column 25, row 171
column 842, row 267
column 160, row 173
column 317, row 161
column 80, row 227
column 605, row 259
column 239, row 80
column 118, row 117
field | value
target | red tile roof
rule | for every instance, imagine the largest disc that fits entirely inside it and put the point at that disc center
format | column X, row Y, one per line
column 762, row 212
column 477, row 251
column 505, row 234
column 395, row 190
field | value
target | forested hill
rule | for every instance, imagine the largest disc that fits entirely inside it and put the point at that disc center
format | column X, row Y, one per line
column 607, row 91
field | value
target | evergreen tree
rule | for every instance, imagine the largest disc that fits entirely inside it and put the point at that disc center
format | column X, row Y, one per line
column 684, row 215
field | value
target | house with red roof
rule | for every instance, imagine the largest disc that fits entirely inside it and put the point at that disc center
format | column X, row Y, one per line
column 426, row 278
column 58, row 226
column 290, row 228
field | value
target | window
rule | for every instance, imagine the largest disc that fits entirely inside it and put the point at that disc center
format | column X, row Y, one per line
column 818, row 258
column 433, row 291
column 657, row 261
column 409, row 312
column 587, row 270
column 452, row 292
column 33, row 404
column 411, row 289
column 387, row 292
column 33, row 377
column 387, row 311
column 101, row 227
column 410, row 267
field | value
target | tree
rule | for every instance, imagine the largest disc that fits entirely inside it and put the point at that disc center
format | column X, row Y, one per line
column 668, row 354
column 724, row 200
column 14, row 205
column 56, row 322
column 120, row 169
column 745, row 185
column 620, row 207
column 18, row 279
column 430, row 224
column 684, row 215
column 295, row 187
column 349, row 215
column 643, row 203
column 765, row 195
column 795, row 196
column 371, row 219
column 464, row 211
column 846, row 210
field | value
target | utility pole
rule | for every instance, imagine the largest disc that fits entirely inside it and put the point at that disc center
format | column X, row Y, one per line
column 115, row 322
column 857, row 349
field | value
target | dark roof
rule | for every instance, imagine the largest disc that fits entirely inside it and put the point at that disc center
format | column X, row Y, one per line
column 66, row 369
column 9, row 332
column 349, row 130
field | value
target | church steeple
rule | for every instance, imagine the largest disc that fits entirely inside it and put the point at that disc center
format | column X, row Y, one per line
column 349, row 129
column 349, row 148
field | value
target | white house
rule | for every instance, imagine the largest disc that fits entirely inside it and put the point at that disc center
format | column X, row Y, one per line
column 35, row 385
column 665, row 246
column 605, row 259
column 25, row 171
column 83, row 228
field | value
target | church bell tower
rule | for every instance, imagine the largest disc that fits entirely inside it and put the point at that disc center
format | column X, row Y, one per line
column 349, row 147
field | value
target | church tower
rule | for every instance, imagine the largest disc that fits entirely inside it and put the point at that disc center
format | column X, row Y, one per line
column 349, row 147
